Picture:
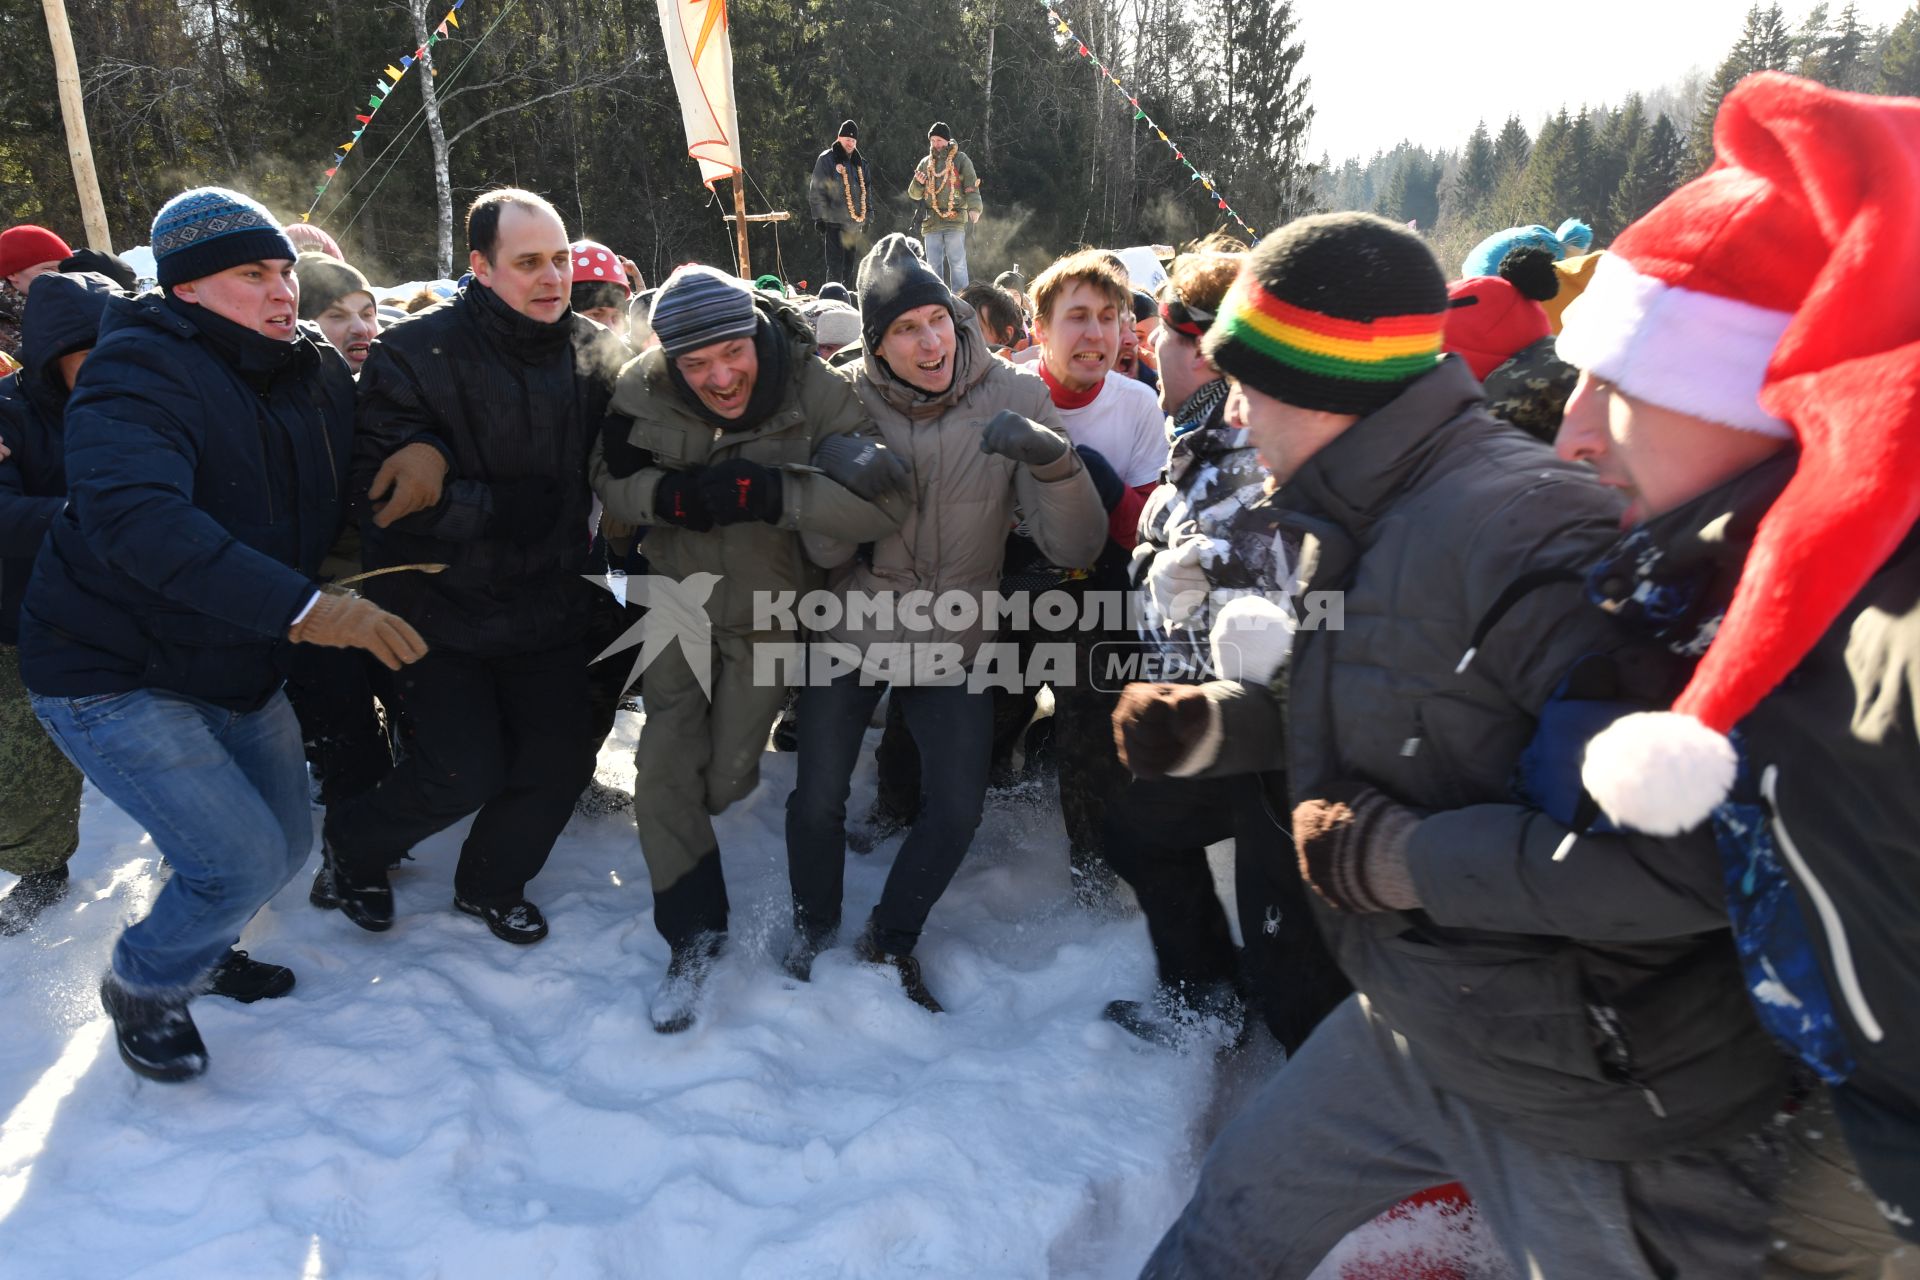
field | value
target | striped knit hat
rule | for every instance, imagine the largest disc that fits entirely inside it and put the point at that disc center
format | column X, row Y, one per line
column 204, row 231
column 1337, row 313
column 699, row 306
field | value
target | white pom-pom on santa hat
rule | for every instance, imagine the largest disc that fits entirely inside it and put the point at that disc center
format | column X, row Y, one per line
column 1660, row 772
column 1252, row 638
column 1757, row 296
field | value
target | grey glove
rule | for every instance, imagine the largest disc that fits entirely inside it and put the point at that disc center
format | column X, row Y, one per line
column 863, row 466
column 1023, row 440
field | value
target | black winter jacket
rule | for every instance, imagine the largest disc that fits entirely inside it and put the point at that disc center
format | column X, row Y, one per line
column 33, row 478
column 827, row 191
column 513, row 405
column 1592, row 1003
column 206, row 474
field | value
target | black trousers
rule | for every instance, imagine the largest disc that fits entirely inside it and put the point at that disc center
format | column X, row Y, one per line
column 845, row 246
column 332, row 692
column 1156, row 833
column 506, row 736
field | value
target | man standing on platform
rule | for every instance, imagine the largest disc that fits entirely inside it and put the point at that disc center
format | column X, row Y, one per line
column 946, row 181
column 839, row 195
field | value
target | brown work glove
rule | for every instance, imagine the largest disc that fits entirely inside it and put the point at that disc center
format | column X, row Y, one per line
column 1353, row 847
column 408, row 481
column 1162, row 730
column 349, row 622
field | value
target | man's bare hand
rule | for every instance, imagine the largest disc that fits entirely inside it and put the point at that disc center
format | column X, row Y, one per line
column 408, row 481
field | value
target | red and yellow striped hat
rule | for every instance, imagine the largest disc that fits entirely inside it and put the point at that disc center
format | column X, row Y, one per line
column 1337, row 312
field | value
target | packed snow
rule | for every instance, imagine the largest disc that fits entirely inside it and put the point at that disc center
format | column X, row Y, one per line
column 433, row 1102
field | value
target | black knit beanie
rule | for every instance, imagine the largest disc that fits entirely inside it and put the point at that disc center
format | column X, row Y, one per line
column 1338, row 312
column 940, row 130
column 894, row 279
column 848, row 129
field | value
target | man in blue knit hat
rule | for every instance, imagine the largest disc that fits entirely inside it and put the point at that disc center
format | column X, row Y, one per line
column 206, row 451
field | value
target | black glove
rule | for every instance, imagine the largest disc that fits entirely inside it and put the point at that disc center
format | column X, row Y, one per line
column 739, row 490
column 1012, row 436
column 623, row 459
column 524, row 510
column 678, row 499
column 864, row 467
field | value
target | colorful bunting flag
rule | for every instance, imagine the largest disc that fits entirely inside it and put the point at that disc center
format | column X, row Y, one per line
column 383, row 88
column 1064, row 29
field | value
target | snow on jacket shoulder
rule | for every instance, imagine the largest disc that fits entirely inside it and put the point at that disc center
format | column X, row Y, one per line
column 201, row 503
column 751, row 557
column 1422, row 516
column 965, row 501
column 513, row 405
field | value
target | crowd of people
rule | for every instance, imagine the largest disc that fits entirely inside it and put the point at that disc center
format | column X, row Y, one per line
column 1543, row 640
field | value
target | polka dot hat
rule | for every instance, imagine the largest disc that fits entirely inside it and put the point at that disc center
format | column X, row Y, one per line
column 595, row 264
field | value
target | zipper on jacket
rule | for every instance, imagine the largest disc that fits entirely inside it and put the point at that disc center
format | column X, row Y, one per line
column 1616, row 1055
column 1836, row 930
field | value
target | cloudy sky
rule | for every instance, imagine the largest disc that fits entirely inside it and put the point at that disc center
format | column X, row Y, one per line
column 1384, row 70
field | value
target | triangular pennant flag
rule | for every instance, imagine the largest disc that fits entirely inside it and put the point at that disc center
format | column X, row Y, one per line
column 347, row 146
column 421, row 52
column 375, row 102
column 1084, row 53
column 441, row 30
column 394, row 73
column 364, row 119
column 458, row 3
column 1181, row 155
column 306, row 216
column 1163, row 136
column 451, row 20
column 406, row 62
column 333, row 171
column 338, row 156
column 1139, row 115
column 357, row 133
column 1223, row 204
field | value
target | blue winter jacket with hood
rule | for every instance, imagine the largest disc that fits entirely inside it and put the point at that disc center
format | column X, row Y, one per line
column 207, row 471
column 64, row 317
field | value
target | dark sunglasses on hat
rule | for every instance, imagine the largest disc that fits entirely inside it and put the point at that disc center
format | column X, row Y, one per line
column 1181, row 318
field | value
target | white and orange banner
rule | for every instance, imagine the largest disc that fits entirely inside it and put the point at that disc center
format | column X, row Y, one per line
column 701, row 53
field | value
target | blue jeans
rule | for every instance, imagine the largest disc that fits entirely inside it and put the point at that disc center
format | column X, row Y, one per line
column 954, row 730
column 224, row 796
column 947, row 255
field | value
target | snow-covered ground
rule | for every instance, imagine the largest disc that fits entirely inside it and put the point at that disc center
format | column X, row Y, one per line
column 432, row 1102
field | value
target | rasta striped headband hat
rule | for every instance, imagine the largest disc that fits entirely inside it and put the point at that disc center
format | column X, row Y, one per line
column 1337, row 313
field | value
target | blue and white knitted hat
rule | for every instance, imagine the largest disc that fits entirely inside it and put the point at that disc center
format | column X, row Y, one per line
column 206, row 230
column 699, row 306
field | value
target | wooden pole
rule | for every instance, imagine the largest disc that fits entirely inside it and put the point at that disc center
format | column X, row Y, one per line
column 73, row 110
column 739, row 210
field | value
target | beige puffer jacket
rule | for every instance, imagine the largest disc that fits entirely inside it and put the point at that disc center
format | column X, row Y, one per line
column 965, row 501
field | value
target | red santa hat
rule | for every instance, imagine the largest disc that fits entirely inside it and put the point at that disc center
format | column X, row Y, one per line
column 1771, row 294
column 595, row 264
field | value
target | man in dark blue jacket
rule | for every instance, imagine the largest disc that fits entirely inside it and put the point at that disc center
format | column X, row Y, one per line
column 39, row 787
column 206, row 449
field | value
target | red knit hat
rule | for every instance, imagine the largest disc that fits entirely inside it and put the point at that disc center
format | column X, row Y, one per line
column 1489, row 322
column 595, row 264
column 1770, row 295
column 28, row 246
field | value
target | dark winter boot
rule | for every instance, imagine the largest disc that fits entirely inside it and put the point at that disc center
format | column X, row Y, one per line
column 240, row 977
column 676, row 1002
column 364, row 897
column 867, row 950
column 36, row 891
column 599, row 799
column 156, row 1034
column 807, row 944
column 518, row 922
column 1213, row 1015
